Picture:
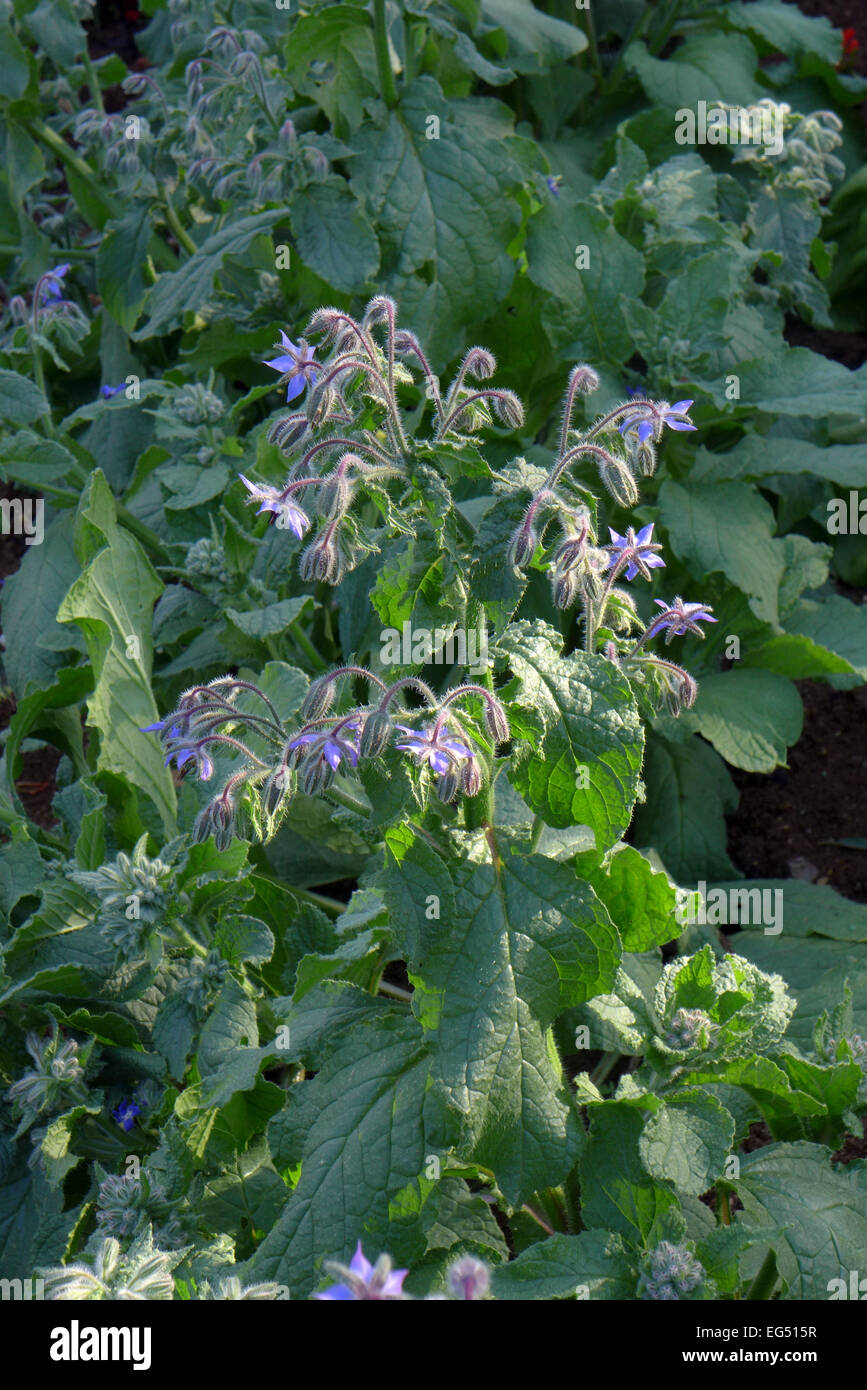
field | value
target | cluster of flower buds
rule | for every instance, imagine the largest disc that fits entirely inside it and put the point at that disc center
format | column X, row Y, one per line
column 54, row 1082
column 582, row 568
column 325, row 745
column 366, row 366
column 670, row 1272
column 801, row 152
column 690, row 1030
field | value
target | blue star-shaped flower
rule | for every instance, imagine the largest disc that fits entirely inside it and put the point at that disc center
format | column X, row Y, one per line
column 639, row 550
column 293, row 360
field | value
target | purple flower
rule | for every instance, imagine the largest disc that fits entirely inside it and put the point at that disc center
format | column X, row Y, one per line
column 334, row 745
column 674, row 416
column 289, row 515
column 680, row 618
column 469, row 1279
column 553, row 181
column 108, row 391
column 125, row 1114
column 435, row 746
column 293, row 360
column 52, row 287
column 364, row 1281
column 182, row 753
column 639, row 550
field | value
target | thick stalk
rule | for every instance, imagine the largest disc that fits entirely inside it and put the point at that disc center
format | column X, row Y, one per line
column 383, row 57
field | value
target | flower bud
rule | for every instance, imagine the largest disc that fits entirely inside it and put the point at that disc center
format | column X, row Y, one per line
column 571, row 553
column 334, row 496
column 405, row 343
column 617, row 478
column 328, row 321
column 322, row 561
column 565, row 589
column 274, row 790
column 379, row 309
column 509, row 409
column 496, row 721
column 375, row 734
column 318, row 700
column 316, row 775
column 645, row 459
column 480, row 363
column 584, row 379
column 288, row 431
column 471, row 777
column 447, row 787
column 522, row 547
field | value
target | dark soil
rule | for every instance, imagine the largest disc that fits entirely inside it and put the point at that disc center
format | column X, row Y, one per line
column 844, row 14
column 786, row 818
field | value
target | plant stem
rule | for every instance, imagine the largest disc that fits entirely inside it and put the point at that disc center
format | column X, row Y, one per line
column 725, row 1210
column 350, row 802
column 763, row 1285
column 537, row 833
column 181, row 234
column 604, row 1067
column 395, row 991
column 331, row 905
column 92, row 80
column 383, row 57
column 300, row 637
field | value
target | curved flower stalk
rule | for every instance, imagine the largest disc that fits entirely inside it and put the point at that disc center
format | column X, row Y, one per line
column 326, row 745
column 355, row 388
column 585, row 570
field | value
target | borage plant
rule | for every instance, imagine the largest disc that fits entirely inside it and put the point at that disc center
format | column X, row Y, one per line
column 530, row 933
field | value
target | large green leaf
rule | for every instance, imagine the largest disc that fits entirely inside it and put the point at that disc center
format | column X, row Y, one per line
column 640, row 899
column 752, row 717
column 728, row 529
column 331, row 59
column 823, row 1210
column 191, row 288
column 357, row 1128
column 112, row 603
column 593, row 1264
column 689, row 792
column 536, row 40
column 706, row 67
column 585, row 312
column 592, row 734
column 334, row 237
column 444, row 212
column 525, row 939
column 36, row 645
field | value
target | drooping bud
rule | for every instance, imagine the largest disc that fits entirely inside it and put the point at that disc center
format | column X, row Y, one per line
column 276, row 785
column 447, row 787
column 584, row 379
column 522, row 546
column 375, row 734
column 480, row 363
column 380, row 308
column 316, row 775
column 496, row 722
column 508, row 408
column 318, row 700
column 333, row 496
column 471, row 778
column 288, row 431
column 565, row 588
column 617, row 478
column 322, row 561
column 320, row 402
column 645, row 459
column 328, row 321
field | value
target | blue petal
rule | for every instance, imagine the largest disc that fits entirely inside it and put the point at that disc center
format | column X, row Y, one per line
column 679, row 425
column 681, row 407
column 645, row 430
column 296, row 386
column 645, row 535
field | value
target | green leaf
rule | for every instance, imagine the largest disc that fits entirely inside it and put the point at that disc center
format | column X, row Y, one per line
column 192, row 287
column 823, row 1210
column 752, row 717
column 707, row 67
column 358, row 1129
column 333, row 236
column 786, row 29
column 36, row 645
column 331, row 59
column 444, row 213
column 231, row 1025
column 536, row 40
column 799, row 382
column 55, row 27
column 729, row 530
column 584, row 315
column 764, row 456
column 687, row 1141
column 112, row 602
column 593, row 1264
column 120, row 264
column 21, row 401
column 14, row 67
column 641, row 901
column 525, row 940
column 593, row 734
column 274, row 618
column 65, row 690
column 616, row 1191
column 836, row 623
column 689, row 792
